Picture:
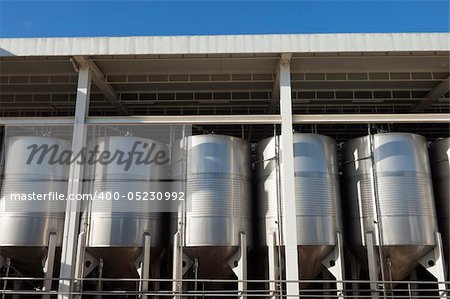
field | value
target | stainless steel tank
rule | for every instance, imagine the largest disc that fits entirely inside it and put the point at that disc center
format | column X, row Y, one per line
column 393, row 199
column 217, row 201
column 440, row 167
column 25, row 226
column 116, row 227
column 317, row 197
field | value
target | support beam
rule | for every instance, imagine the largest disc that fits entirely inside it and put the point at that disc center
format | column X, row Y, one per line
column 276, row 119
column 276, row 85
column 72, row 221
column 100, row 81
column 417, row 118
column 188, row 119
column 287, row 184
column 440, row 90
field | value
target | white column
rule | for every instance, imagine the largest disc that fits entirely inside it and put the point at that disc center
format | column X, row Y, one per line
column 287, row 173
column 71, row 224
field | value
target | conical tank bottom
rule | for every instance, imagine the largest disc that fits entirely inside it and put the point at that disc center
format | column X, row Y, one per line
column 212, row 260
column 27, row 260
column 120, row 262
column 403, row 259
column 310, row 260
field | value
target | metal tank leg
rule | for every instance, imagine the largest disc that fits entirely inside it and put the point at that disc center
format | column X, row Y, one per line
column 177, row 266
column 372, row 262
column 334, row 263
column 179, row 269
column 145, row 264
column 272, row 260
column 80, row 262
column 49, row 264
column 85, row 263
column 238, row 264
column 100, row 278
column 433, row 262
column 5, row 282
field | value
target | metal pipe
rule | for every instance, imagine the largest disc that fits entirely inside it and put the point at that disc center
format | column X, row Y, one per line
column 236, row 119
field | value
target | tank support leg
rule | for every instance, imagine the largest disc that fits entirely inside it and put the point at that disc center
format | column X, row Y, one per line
column 334, row 263
column 239, row 265
column 79, row 262
column 178, row 268
column 49, row 264
column 273, row 266
column 145, row 264
column 85, row 263
column 433, row 262
column 5, row 282
column 100, row 277
column 372, row 262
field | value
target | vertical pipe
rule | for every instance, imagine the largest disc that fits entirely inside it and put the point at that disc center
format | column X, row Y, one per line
column 377, row 212
column 49, row 264
column 273, row 269
column 242, row 285
column 145, row 273
column 177, row 270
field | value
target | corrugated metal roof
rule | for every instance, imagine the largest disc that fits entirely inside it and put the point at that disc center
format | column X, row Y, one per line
column 227, row 44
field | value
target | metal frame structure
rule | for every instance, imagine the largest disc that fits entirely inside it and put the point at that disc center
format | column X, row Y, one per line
column 290, row 83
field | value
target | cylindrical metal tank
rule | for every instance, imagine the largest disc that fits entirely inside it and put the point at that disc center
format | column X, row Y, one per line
column 117, row 227
column 25, row 226
column 217, row 201
column 389, row 194
column 317, row 197
column 440, row 168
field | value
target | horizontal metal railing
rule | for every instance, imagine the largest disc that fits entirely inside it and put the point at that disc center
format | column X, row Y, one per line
column 255, row 289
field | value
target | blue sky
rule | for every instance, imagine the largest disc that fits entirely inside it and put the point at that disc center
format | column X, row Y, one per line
column 122, row 18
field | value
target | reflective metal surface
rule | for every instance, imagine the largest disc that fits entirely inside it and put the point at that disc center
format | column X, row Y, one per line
column 394, row 200
column 24, row 233
column 115, row 230
column 317, row 197
column 440, row 167
column 217, row 200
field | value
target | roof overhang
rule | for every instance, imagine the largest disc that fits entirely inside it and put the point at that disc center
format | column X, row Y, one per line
column 226, row 44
